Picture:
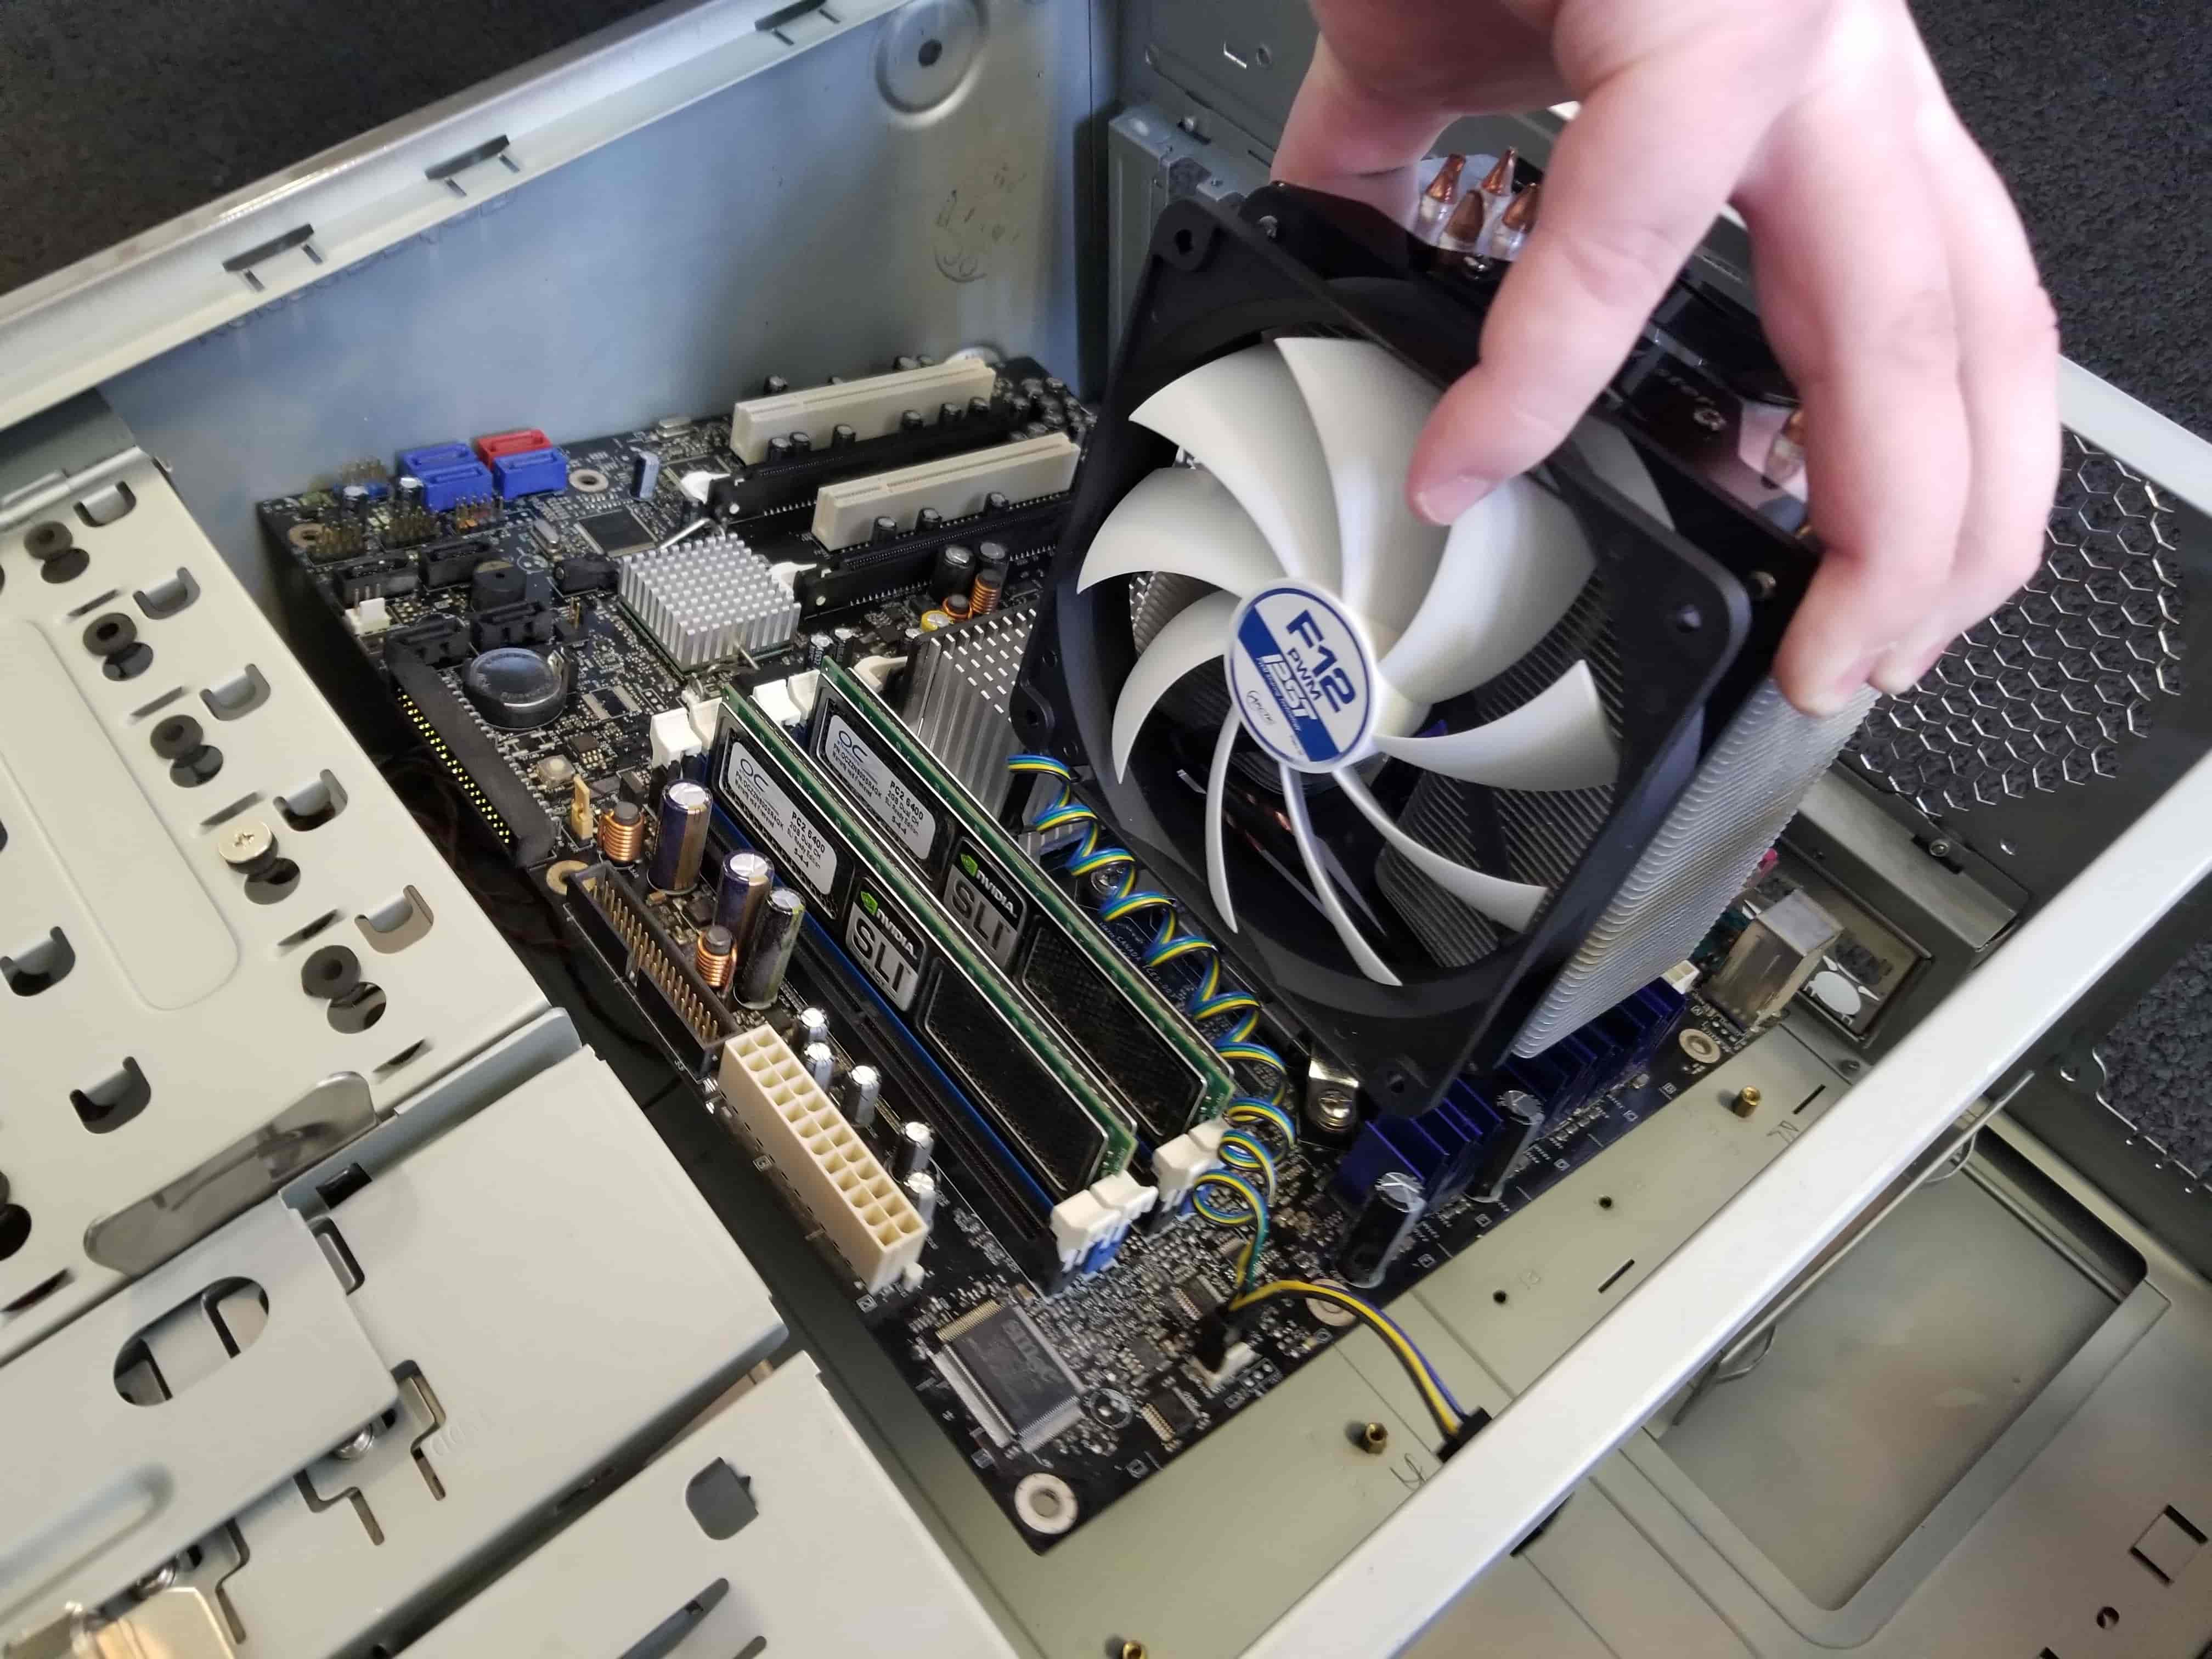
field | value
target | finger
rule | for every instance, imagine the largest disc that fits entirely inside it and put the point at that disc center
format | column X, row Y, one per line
column 1634, row 181
column 2009, row 372
column 1855, row 289
column 1352, row 143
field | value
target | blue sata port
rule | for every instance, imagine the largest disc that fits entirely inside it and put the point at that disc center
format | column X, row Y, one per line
column 450, row 474
column 532, row 472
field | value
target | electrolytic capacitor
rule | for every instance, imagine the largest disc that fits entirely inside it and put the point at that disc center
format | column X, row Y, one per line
column 746, row 877
column 905, row 363
column 917, row 1143
column 779, row 449
column 1383, row 1229
column 715, row 956
column 355, row 499
column 956, row 569
column 407, row 491
column 886, row 528
column 812, row 1026
column 645, row 475
column 821, row 1062
column 948, row 412
column 921, row 1193
column 978, row 407
column 841, row 435
column 910, row 420
column 760, row 974
column 997, row 502
column 992, row 563
column 775, row 386
column 864, row 1089
column 928, row 519
column 802, row 443
column 622, row 832
column 686, row 806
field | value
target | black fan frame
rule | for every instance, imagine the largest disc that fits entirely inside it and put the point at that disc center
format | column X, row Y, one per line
column 1693, row 640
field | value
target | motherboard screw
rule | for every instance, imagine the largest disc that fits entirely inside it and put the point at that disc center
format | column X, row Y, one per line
column 1745, row 1102
column 1130, row 1649
column 357, row 1446
column 1373, row 1438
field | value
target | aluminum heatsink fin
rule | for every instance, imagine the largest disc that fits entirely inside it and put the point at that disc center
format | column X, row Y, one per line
column 1243, row 417
column 1368, row 410
column 1182, row 520
column 1515, row 904
column 1558, row 740
column 1192, row 637
column 1512, row 565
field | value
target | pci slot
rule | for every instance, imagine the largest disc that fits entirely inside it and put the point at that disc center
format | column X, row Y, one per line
column 1041, row 1098
column 769, row 485
column 876, row 570
column 486, row 782
column 872, row 407
column 957, row 487
column 1168, row 1075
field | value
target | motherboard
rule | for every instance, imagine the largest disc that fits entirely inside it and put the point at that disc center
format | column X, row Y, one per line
column 731, row 695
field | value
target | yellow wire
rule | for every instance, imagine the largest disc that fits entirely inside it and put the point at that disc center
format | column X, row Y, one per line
column 1439, row 1408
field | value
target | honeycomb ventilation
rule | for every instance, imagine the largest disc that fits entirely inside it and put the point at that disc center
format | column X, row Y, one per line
column 868, row 1220
column 2047, row 691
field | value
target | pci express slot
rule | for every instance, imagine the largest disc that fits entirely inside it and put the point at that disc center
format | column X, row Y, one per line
column 877, row 570
column 768, row 486
column 1169, row 1077
column 486, row 782
column 1041, row 1099
column 683, row 1008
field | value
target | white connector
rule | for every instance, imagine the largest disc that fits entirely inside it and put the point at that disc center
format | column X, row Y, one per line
column 1128, row 1197
column 369, row 617
column 871, row 407
column 674, row 735
column 958, row 487
column 1177, row 1163
column 823, row 1160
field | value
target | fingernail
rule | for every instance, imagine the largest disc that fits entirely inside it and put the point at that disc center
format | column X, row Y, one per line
column 1445, row 499
column 1832, row 694
column 1904, row 666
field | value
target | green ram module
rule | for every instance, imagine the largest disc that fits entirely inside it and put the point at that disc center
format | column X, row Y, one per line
column 1168, row 1075
column 1045, row 1103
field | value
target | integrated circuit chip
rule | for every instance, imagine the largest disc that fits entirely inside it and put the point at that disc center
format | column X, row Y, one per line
column 616, row 533
column 1011, row 1378
column 1171, row 1416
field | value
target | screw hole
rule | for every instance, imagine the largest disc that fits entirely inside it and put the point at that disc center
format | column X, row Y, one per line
column 2107, row 1617
column 1605, row 1204
column 1500, row 1298
column 930, row 52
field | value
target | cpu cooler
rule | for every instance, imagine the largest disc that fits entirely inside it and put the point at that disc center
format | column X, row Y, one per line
column 1442, row 795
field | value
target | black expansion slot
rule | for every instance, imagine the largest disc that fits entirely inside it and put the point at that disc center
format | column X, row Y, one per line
column 768, row 486
column 691, row 1017
column 876, row 570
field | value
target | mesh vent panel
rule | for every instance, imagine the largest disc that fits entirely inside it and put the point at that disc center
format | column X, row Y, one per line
column 2046, row 692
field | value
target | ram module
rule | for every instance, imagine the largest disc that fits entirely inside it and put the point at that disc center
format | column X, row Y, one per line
column 1168, row 1075
column 1041, row 1099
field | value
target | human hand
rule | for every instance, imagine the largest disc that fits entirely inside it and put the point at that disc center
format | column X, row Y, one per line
column 1894, row 280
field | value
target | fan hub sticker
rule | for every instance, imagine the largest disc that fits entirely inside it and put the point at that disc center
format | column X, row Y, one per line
column 1300, row 676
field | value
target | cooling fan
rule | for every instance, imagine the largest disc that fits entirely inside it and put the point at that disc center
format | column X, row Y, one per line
column 1444, row 793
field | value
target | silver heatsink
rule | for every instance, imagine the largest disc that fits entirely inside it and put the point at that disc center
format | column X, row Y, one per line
column 957, row 695
column 708, row 598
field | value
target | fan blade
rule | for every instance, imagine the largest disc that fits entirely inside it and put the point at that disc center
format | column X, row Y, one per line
column 1217, row 788
column 1242, row 417
column 1606, row 451
column 1513, row 902
column 1512, row 565
column 1181, row 520
column 1556, row 740
column 1370, row 408
column 1294, row 798
column 1191, row 637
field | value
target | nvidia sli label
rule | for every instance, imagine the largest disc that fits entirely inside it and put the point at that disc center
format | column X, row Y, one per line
column 804, row 852
column 885, row 943
column 986, row 903
column 880, row 785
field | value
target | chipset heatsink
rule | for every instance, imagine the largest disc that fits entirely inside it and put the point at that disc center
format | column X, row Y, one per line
column 708, row 598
